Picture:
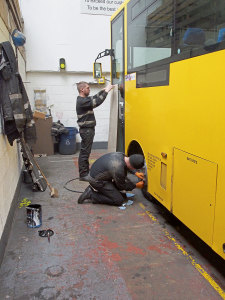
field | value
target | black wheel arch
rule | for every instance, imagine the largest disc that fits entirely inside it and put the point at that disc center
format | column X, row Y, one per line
column 134, row 148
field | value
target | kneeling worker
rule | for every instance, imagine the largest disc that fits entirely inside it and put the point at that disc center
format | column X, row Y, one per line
column 108, row 176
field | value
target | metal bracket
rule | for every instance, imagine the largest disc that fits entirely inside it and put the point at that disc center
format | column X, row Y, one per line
column 106, row 52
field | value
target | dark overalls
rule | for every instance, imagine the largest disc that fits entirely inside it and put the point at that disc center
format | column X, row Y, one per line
column 86, row 121
column 108, row 176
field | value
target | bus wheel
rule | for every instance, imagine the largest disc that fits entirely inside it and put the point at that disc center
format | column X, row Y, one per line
column 145, row 192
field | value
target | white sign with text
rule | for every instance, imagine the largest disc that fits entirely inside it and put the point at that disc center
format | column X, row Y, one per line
column 99, row 7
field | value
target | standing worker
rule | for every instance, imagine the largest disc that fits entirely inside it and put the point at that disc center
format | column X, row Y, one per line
column 108, row 176
column 86, row 122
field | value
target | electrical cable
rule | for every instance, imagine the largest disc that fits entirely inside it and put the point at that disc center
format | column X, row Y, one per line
column 74, row 191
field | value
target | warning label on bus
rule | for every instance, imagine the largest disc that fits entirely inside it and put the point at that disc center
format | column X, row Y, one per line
column 99, row 7
column 130, row 77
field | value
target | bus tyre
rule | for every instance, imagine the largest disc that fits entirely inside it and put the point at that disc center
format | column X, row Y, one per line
column 147, row 195
column 145, row 192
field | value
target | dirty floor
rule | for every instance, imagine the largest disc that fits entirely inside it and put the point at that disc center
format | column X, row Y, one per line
column 100, row 252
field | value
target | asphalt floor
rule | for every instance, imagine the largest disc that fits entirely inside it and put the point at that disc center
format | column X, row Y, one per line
column 101, row 252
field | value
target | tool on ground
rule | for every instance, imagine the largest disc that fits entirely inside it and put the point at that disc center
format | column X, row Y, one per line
column 53, row 191
column 26, row 151
column 46, row 233
column 30, row 165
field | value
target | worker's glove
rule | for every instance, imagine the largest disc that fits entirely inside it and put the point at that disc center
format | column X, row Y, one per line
column 140, row 184
column 140, row 175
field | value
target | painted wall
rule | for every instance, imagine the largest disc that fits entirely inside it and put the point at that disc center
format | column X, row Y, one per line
column 10, row 160
column 57, row 29
column 61, row 91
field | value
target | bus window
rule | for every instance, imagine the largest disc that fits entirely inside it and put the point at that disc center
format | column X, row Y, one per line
column 150, row 33
column 137, row 8
column 197, row 24
column 117, row 46
column 164, row 31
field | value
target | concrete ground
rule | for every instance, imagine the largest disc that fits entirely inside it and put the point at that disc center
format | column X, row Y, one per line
column 100, row 252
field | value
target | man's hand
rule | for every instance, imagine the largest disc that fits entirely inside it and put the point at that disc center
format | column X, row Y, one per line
column 140, row 184
column 109, row 87
column 140, row 175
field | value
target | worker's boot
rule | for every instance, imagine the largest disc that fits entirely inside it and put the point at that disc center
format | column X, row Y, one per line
column 86, row 195
column 84, row 178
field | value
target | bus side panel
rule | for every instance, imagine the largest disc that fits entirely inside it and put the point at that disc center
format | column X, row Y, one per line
column 194, row 192
column 188, row 114
column 199, row 93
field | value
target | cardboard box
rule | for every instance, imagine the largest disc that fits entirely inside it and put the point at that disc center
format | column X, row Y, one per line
column 44, row 143
column 38, row 115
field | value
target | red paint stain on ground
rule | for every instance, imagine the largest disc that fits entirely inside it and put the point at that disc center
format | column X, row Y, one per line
column 92, row 256
column 168, row 246
column 82, row 272
column 145, row 218
column 132, row 249
column 102, row 211
column 86, row 227
column 116, row 257
column 107, row 244
column 91, row 212
column 108, row 220
column 157, row 249
column 79, row 285
column 70, row 244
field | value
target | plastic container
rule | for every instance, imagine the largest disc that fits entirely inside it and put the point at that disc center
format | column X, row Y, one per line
column 34, row 215
column 67, row 144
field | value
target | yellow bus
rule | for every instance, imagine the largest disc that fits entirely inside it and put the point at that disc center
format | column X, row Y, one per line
column 169, row 63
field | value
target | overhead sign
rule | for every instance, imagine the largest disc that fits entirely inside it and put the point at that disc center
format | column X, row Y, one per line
column 99, row 7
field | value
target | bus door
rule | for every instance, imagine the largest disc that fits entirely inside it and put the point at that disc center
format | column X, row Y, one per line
column 117, row 71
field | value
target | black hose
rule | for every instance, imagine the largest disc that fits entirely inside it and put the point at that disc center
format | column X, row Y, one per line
column 74, row 191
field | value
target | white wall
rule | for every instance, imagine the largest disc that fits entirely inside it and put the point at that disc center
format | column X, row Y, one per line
column 55, row 29
column 62, row 92
column 10, row 159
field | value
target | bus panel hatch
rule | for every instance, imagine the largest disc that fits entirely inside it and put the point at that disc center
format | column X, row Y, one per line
column 194, row 193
